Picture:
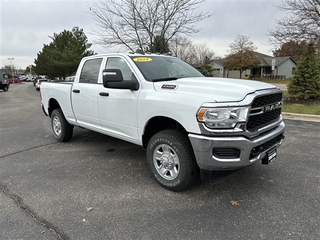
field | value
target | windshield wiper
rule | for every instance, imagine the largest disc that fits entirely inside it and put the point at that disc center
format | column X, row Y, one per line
column 164, row 79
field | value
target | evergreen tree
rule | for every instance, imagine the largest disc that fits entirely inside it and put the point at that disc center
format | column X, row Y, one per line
column 207, row 67
column 159, row 45
column 305, row 83
column 61, row 57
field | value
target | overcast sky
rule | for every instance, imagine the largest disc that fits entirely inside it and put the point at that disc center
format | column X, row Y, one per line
column 27, row 24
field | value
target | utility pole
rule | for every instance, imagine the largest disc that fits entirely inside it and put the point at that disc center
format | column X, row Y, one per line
column 11, row 66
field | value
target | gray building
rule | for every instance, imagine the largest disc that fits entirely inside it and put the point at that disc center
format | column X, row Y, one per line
column 269, row 67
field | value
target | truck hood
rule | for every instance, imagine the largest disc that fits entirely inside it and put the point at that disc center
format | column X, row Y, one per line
column 212, row 89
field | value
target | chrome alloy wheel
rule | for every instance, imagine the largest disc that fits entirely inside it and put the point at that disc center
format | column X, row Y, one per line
column 56, row 126
column 166, row 162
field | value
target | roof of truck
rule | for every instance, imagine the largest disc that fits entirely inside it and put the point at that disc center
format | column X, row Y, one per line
column 138, row 52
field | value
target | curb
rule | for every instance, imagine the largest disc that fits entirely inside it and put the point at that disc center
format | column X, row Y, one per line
column 302, row 117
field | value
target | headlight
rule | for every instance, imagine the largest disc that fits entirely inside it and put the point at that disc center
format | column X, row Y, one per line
column 222, row 118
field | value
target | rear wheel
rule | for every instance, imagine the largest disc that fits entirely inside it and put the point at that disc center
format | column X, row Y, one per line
column 5, row 88
column 171, row 160
column 62, row 130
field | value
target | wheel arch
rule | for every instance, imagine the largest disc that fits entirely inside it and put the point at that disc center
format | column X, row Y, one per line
column 157, row 124
column 52, row 105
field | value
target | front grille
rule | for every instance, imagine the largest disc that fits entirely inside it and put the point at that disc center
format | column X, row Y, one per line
column 265, row 117
column 267, row 99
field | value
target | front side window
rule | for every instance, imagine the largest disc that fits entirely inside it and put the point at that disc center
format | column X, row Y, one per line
column 119, row 63
column 90, row 71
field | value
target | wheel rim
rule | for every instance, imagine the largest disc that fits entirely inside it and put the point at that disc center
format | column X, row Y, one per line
column 166, row 162
column 56, row 125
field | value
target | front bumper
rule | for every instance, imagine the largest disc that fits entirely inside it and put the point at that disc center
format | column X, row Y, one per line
column 227, row 152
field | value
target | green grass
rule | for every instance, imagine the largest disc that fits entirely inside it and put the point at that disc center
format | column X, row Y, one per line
column 301, row 108
column 283, row 81
column 272, row 81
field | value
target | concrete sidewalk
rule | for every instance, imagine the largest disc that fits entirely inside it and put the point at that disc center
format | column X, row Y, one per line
column 302, row 117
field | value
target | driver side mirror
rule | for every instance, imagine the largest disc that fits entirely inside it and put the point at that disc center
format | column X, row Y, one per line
column 112, row 78
column 112, row 75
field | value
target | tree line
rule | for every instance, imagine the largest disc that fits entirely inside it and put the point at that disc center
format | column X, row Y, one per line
column 164, row 26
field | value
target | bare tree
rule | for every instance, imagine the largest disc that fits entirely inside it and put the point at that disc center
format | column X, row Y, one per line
column 302, row 22
column 194, row 54
column 242, row 55
column 203, row 53
column 241, row 44
column 135, row 23
column 183, row 48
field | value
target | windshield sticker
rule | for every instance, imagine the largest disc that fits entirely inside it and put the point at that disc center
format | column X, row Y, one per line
column 142, row 59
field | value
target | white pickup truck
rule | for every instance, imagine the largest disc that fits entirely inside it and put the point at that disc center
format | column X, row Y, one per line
column 185, row 121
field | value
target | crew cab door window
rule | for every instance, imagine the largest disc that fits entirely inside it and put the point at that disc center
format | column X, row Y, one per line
column 90, row 71
column 85, row 95
column 119, row 63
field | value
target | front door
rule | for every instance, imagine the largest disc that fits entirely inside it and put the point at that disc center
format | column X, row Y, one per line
column 118, row 107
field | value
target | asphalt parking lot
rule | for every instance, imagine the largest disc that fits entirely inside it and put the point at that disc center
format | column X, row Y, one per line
column 98, row 187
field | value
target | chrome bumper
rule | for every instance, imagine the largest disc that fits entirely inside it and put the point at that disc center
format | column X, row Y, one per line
column 247, row 148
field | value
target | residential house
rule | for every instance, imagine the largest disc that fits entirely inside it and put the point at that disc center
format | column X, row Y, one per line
column 269, row 67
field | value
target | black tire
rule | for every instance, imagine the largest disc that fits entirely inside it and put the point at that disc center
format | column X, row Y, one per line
column 5, row 88
column 62, row 130
column 171, row 160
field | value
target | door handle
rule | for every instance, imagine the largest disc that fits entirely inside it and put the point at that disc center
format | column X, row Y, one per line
column 76, row 91
column 104, row 94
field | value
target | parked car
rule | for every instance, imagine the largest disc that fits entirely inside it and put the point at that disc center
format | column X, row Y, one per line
column 38, row 83
column 11, row 79
column 4, row 85
column 23, row 78
column 70, row 79
column 34, row 80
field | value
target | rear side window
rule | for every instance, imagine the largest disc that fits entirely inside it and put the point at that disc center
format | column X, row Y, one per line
column 90, row 71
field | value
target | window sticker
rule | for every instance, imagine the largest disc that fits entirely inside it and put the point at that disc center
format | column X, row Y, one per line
column 142, row 59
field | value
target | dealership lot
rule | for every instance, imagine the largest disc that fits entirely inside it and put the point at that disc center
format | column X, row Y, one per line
column 98, row 187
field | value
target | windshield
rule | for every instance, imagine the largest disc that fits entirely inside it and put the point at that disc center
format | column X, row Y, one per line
column 164, row 68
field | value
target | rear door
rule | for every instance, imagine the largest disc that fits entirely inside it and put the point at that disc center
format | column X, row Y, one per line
column 85, row 94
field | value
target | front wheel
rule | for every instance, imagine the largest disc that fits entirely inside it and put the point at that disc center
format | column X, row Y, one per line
column 62, row 130
column 171, row 160
column 5, row 88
